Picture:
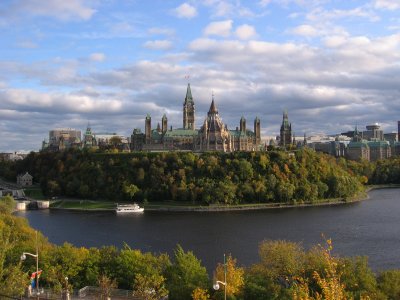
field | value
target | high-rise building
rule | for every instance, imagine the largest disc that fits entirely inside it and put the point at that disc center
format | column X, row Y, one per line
column 398, row 130
column 373, row 133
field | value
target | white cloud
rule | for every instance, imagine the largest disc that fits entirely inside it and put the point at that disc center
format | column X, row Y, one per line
column 305, row 30
column 97, row 57
column 264, row 3
column 221, row 28
column 158, row 45
column 387, row 4
column 161, row 31
column 31, row 100
column 245, row 32
column 334, row 41
column 319, row 14
column 185, row 10
column 62, row 10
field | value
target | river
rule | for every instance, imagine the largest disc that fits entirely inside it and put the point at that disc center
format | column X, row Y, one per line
column 370, row 227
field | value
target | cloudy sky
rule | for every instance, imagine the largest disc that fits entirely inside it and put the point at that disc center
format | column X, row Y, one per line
column 330, row 63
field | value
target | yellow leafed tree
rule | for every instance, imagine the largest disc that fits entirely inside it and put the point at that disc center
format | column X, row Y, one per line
column 234, row 276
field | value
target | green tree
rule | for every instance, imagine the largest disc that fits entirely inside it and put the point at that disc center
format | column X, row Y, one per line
column 185, row 274
column 149, row 287
column 389, row 283
column 131, row 190
column 130, row 262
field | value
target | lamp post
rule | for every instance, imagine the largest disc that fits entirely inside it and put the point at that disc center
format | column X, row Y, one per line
column 224, row 283
column 23, row 257
column 66, row 289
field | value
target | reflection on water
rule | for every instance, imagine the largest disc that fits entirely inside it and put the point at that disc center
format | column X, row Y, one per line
column 365, row 228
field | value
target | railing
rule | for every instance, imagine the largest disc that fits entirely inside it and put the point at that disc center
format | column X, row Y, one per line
column 90, row 291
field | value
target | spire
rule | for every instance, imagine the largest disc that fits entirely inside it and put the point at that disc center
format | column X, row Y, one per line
column 164, row 117
column 213, row 109
column 188, row 97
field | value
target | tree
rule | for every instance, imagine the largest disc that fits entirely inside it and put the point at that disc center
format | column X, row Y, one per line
column 200, row 294
column 234, row 276
column 106, row 285
column 389, row 283
column 282, row 258
column 185, row 274
column 13, row 278
column 132, row 262
column 131, row 190
column 115, row 141
column 149, row 287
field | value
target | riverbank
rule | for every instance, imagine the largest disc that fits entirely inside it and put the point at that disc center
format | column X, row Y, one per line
column 90, row 205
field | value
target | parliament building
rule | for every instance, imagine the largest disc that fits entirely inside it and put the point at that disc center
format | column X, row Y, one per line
column 213, row 135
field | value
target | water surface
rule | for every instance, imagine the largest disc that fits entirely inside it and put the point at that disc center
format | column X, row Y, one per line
column 369, row 228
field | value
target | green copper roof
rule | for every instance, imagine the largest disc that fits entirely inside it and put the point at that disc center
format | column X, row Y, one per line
column 378, row 144
column 238, row 133
column 188, row 97
column 363, row 144
column 181, row 133
column 155, row 135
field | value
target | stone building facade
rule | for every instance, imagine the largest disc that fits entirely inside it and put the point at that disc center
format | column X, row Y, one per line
column 25, row 179
column 213, row 135
column 285, row 132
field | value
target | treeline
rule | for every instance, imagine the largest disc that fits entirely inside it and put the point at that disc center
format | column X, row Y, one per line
column 386, row 171
column 226, row 178
column 284, row 270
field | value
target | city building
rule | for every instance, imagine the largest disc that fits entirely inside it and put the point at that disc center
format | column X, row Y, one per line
column 24, row 179
column 62, row 138
column 285, row 138
column 379, row 150
column 13, row 156
column 374, row 149
column 373, row 133
column 398, row 130
column 213, row 135
column 391, row 137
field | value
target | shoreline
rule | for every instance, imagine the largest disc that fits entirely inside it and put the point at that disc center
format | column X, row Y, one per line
column 247, row 207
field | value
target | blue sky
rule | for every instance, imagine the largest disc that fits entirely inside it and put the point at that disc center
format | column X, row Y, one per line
column 330, row 63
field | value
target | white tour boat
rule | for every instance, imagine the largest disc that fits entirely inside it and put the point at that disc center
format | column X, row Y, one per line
column 129, row 208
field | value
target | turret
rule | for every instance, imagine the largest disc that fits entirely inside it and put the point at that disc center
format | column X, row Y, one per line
column 148, row 129
column 242, row 124
column 188, row 110
column 164, row 124
column 257, row 131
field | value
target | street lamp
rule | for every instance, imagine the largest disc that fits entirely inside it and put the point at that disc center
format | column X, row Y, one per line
column 66, row 289
column 23, row 257
column 224, row 283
